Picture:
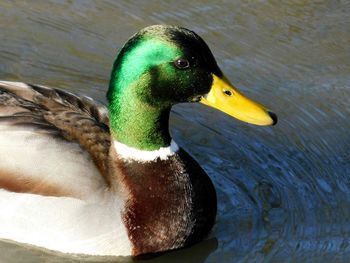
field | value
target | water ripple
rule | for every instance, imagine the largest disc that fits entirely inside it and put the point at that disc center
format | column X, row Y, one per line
column 284, row 191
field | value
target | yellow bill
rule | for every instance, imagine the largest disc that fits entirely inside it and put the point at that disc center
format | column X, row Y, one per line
column 225, row 97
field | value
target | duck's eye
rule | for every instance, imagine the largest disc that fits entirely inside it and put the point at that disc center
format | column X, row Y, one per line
column 228, row 92
column 182, row 63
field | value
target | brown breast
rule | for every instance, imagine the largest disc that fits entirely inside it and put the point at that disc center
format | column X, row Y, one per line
column 171, row 203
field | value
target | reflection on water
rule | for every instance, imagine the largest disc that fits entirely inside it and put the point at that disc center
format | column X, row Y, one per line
column 284, row 191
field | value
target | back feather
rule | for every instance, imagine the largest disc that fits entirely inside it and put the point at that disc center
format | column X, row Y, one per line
column 59, row 114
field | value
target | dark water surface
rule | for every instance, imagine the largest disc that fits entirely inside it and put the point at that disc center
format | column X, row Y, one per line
column 284, row 191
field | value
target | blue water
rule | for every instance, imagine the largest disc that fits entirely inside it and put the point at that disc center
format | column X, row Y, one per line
column 283, row 191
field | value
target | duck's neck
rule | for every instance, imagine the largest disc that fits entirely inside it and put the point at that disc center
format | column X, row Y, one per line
column 138, row 125
column 139, row 115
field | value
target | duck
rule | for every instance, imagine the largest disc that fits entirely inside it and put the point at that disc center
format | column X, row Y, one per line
column 80, row 177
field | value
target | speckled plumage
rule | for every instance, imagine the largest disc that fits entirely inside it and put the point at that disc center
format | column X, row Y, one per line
column 57, row 113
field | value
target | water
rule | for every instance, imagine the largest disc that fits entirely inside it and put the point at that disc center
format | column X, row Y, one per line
column 284, row 191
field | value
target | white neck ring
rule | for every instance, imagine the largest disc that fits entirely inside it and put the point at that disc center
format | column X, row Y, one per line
column 133, row 154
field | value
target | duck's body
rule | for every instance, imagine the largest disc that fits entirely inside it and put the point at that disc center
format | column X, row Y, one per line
column 79, row 179
column 45, row 138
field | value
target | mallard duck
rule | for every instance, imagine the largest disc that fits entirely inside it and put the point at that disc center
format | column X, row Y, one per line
column 79, row 177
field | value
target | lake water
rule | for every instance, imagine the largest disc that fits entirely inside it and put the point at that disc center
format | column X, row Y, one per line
column 283, row 191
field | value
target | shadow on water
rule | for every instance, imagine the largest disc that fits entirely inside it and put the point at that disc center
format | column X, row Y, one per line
column 17, row 253
column 283, row 191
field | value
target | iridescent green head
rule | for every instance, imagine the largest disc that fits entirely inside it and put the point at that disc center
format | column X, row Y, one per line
column 159, row 67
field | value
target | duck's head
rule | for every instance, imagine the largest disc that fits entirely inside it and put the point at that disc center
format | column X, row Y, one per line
column 161, row 66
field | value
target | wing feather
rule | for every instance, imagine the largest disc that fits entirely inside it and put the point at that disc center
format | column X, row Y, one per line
column 58, row 113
